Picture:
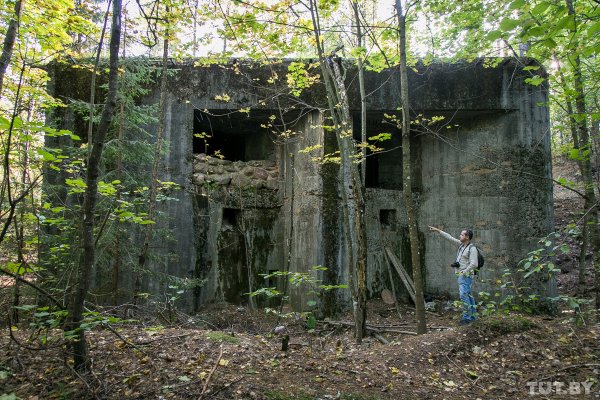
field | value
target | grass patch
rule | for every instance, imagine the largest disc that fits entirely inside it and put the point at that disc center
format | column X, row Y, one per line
column 287, row 396
column 222, row 337
column 503, row 325
column 358, row 397
column 276, row 395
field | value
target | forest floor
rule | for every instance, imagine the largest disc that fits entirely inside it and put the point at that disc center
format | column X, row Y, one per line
column 494, row 358
column 231, row 352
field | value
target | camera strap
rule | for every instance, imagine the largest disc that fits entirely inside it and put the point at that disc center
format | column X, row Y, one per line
column 459, row 253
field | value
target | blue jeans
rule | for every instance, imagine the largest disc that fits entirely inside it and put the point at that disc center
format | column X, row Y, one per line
column 464, row 291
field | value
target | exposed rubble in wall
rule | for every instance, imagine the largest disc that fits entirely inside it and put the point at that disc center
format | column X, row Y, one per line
column 258, row 174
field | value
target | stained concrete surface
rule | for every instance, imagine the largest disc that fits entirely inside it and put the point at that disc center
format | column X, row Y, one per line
column 486, row 166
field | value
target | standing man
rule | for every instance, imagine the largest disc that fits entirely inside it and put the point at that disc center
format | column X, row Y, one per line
column 464, row 267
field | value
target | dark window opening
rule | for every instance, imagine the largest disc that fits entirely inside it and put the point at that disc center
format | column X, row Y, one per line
column 218, row 136
column 232, row 135
column 372, row 173
column 387, row 219
column 230, row 217
column 384, row 167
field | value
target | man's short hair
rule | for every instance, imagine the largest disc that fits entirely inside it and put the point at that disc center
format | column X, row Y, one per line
column 469, row 233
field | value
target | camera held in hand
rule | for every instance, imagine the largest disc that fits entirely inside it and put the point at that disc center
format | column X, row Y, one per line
column 455, row 264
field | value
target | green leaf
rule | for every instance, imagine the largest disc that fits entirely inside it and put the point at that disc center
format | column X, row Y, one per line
column 574, row 154
column 573, row 303
column 535, row 31
column 471, row 374
column 515, row 5
column 358, row 52
column 4, row 123
column 380, row 137
column 46, row 156
column 65, row 132
column 77, row 185
column 549, row 43
column 494, row 35
column 566, row 22
column 508, row 24
column 535, row 80
column 106, row 189
column 41, row 314
column 311, row 322
column 27, row 307
column 591, row 51
column 17, row 122
column 540, row 8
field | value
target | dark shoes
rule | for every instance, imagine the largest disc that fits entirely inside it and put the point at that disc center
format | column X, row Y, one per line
column 465, row 322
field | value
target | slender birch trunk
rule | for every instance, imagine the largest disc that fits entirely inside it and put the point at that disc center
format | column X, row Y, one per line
column 84, row 273
column 407, row 177
column 583, row 132
column 351, row 187
column 9, row 41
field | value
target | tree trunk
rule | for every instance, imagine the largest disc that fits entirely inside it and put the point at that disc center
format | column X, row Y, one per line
column 351, row 188
column 118, row 257
column 6, row 189
column 585, row 166
column 78, row 296
column 407, row 177
column 358, row 186
column 363, row 95
column 574, row 128
column 116, row 270
column 9, row 42
column 582, row 254
column 143, row 257
column 352, row 193
column 93, row 81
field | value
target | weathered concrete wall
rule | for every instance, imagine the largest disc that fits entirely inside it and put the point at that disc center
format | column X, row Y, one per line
column 175, row 235
column 490, row 174
column 480, row 85
column 303, row 206
column 279, row 210
column 238, row 226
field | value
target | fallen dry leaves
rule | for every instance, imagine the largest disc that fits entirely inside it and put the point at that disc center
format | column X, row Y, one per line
column 470, row 362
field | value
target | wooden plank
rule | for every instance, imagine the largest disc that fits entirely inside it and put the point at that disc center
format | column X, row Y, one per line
column 408, row 283
column 401, row 271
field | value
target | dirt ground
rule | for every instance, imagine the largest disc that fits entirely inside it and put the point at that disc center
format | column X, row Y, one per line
column 231, row 352
column 568, row 207
column 494, row 358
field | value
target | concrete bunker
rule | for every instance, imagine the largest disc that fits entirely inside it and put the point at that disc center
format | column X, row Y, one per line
column 261, row 204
